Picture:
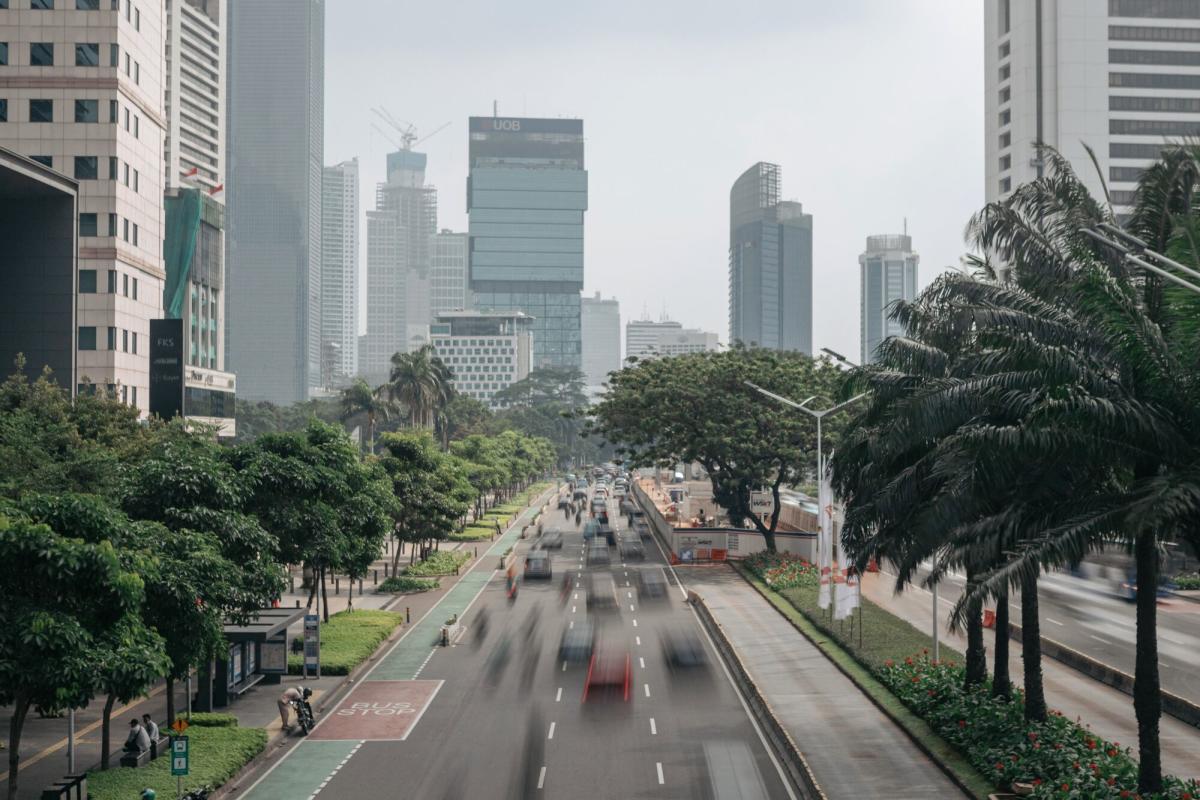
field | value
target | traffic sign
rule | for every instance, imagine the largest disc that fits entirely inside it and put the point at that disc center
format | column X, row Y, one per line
column 761, row 503
column 179, row 725
column 179, row 755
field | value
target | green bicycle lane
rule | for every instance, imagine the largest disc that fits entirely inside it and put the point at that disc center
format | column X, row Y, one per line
column 307, row 767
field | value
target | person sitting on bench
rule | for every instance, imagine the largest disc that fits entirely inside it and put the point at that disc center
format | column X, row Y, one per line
column 138, row 742
column 151, row 728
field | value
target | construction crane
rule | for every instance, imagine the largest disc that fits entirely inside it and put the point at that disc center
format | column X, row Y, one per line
column 406, row 130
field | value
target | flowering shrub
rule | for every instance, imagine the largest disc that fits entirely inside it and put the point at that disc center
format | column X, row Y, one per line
column 782, row 570
column 1058, row 757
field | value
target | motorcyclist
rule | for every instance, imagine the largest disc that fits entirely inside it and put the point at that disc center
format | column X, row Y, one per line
column 290, row 697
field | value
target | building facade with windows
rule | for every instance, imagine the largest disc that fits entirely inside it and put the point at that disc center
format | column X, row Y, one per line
column 526, row 197
column 1121, row 77
column 275, row 132
column 339, row 273
column 770, row 264
column 448, row 289
column 648, row 339
column 399, row 236
column 888, row 270
column 486, row 351
column 82, row 93
column 600, row 324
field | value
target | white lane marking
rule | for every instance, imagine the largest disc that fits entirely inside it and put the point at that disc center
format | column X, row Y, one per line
column 542, row 777
column 576, row 597
column 552, row 726
column 558, row 697
column 626, row 574
column 564, row 669
column 658, row 764
column 417, row 674
column 629, row 594
column 572, row 609
column 631, row 608
column 1098, row 639
column 638, row 640
column 1052, row 619
column 635, row 623
column 653, row 727
column 646, row 686
column 641, row 662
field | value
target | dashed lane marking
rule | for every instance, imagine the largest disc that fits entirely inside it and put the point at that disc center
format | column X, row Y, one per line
column 551, row 734
column 635, row 623
column 641, row 662
column 653, row 727
column 638, row 640
column 558, row 697
column 542, row 778
column 661, row 780
column 646, row 686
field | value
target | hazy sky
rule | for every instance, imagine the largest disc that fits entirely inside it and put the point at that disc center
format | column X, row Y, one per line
column 873, row 108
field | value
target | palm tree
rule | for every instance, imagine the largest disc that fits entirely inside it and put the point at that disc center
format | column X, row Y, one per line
column 422, row 382
column 360, row 400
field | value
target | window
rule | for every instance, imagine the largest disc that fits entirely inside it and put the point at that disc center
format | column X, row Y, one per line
column 133, row 343
column 41, row 111
column 125, row 230
column 1005, row 71
column 1005, row 117
column 1137, row 33
column 87, row 5
column 135, row 232
column 1152, row 80
column 127, row 119
column 125, row 180
column 3, row 54
column 137, row 127
column 112, row 231
column 1171, row 58
column 87, row 110
column 1142, row 127
column 1005, row 17
column 112, row 338
column 41, row 54
column 1163, row 9
column 114, row 55
column 3, row 110
column 112, row 168
column 1123, row 198
column 1005, row 163
column 135, row 293
column 135, row 180
column 85, row 169
column 128, row 64
column 128, row 9
column 1005, row 139
column 112, row 111
column 1186, row 105
column 133, row 398
column 87, row 281
column 137, row 19
column 124, row 341
column 87, row 54
column 42, row 5
column 1005, row 95
column 46, row 161
column 1125, row 174
column 112, row 281
column 1005, row 185
column 87, row 224
column 137, row 73
column 1005, row 49
column 125, row 281
column 87, row 338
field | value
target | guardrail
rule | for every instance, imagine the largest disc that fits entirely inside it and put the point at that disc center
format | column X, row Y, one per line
column 794, row 762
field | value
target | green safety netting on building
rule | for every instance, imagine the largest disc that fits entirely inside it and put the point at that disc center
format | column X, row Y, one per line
column 179, row 247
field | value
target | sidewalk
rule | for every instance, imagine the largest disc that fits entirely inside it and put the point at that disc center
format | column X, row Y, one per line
column 1108, row 711
column 44, row 741
column 853, row 748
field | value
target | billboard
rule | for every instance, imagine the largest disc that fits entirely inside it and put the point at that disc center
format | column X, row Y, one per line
column 525, row 125
column 166, row 368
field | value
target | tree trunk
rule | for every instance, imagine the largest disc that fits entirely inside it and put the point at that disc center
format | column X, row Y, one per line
column 324, row 596
column 1001, row 684
column 20, row 709
column 312, row 592
column 1147, row 696
column 976, row 653
column 170, row 700
column 106, row 731
column 1031, row 651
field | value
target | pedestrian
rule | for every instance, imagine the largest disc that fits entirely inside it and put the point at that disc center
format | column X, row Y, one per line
column 285, row 703
column 151, row 728
column 137, row 741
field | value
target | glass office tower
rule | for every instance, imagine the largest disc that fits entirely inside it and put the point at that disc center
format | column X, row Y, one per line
column 526, row 194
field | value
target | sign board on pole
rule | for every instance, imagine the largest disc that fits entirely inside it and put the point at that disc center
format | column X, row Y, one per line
column 273, row 657
column 166, row 368
column 179, row 755
column 761, row 503
column 312, row 644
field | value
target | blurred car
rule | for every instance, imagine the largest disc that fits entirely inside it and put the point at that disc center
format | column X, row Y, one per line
column 642, row 528
column 551, row 540
column 577, row 642
column 631, row 548
column 537, row 565
column 601, row 593
column 580, row 494
column 651, row 584
column 563, row 501
column 684, row 650
column 597, row 553
column 606, row 530
column 619, row 491
column 610, row 673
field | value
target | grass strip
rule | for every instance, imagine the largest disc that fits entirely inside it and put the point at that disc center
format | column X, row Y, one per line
column 348, row 639
column 406, row 585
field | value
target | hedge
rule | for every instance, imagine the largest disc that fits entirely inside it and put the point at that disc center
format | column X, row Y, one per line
column 348, row 639
column 216, row 753
column 407, row 585
column 212, row 719
column 1187, row 582
column 439, row 562
column 1060, row 758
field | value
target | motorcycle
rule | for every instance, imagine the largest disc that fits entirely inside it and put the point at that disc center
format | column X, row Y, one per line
column 304, row 715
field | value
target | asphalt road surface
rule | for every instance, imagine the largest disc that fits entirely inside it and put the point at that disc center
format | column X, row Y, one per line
column 499, row 715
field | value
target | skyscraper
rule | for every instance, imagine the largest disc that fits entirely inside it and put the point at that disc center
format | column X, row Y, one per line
column 339, row 273
column 647, row 339
column 83, row 94
column 889, row 273
column 448, row 273
column 770, row 264
column 526, row 195
column 600, row 326
column 1115, row 76
column 399, row 234
column 276, row 150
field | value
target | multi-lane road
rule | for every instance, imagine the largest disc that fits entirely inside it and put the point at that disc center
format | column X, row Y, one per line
column 498, row 714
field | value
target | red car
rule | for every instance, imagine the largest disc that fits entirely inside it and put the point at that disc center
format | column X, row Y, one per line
column 610, row 672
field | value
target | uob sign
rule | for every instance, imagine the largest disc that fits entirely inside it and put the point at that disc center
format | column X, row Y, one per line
column 506, row 124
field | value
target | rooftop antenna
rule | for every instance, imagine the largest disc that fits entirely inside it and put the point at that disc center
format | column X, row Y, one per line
column 495, row 108
column 906, row 226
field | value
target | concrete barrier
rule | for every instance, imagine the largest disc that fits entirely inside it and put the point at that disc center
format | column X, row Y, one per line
column 793, row 760
column 1182, row 709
